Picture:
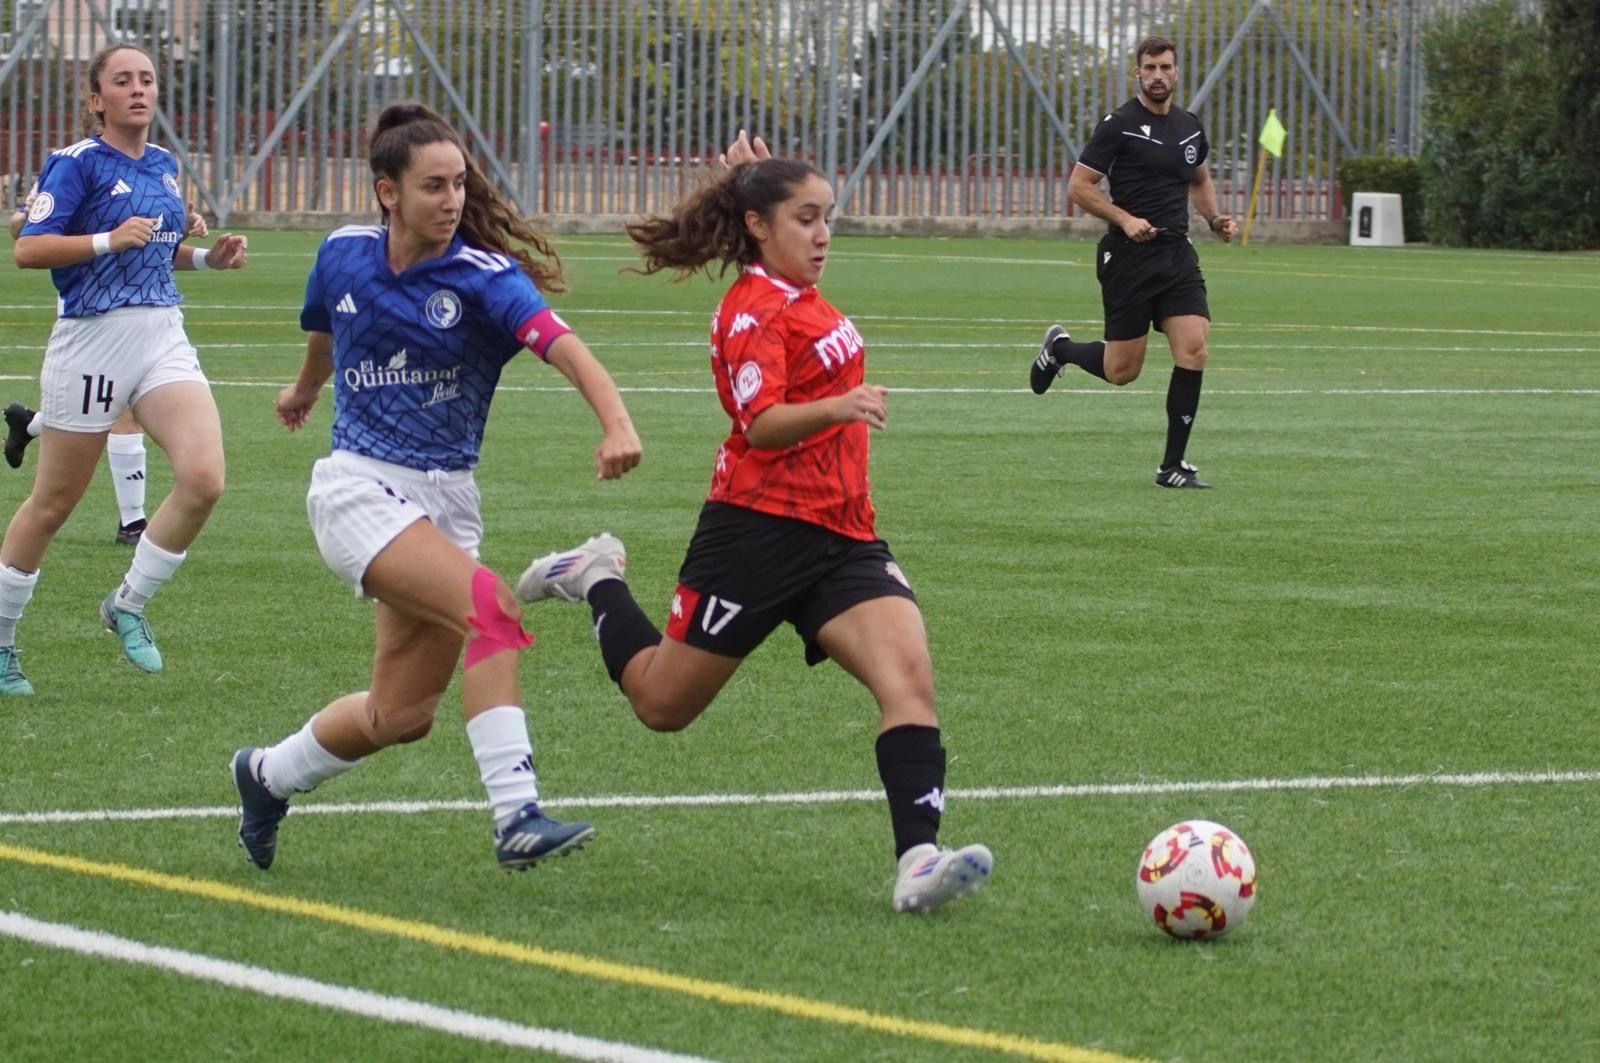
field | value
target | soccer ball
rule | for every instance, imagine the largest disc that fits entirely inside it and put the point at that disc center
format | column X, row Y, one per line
column 1196, row 880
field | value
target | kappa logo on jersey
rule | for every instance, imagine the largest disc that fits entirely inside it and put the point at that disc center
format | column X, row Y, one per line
column 171, row 182
column 443, row 308
column 747, row 383
column 120, row 188
column 741, row 323
column 346, row 305
column 840, row 345
column 43, row 205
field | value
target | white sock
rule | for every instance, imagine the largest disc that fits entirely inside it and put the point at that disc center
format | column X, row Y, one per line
column 125, row 456
column 151, row 569
column 500, row 743
column 36, row 425
column 16, row 587
column 298, row 764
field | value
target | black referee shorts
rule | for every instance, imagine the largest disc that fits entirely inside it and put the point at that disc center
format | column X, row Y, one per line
column 747, row 572
column 1141, row 285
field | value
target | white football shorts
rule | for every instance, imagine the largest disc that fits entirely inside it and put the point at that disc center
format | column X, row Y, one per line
column 95, row 367
column 358, row 505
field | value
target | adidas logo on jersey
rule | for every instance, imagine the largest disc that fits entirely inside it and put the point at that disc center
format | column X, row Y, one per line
column 120, row 188
column 346, row 305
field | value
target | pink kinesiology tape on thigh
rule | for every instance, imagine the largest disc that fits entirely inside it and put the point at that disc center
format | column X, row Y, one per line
column 495, row 630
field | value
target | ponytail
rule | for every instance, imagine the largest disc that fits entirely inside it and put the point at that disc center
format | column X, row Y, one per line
column 709, row 226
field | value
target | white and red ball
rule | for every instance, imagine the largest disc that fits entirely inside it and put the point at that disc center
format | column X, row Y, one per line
column 1196, row 880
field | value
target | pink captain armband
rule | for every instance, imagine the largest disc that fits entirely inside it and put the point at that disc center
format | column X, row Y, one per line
column 541, row 330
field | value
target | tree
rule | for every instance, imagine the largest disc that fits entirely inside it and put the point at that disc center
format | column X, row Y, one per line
column 1499, row 169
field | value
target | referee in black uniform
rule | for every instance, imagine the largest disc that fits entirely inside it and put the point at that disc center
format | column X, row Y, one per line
column 1154, row 156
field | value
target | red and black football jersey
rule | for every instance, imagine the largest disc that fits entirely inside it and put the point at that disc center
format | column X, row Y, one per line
column 773, row 343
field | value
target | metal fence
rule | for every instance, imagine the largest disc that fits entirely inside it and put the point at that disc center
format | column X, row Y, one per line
column 942, row 108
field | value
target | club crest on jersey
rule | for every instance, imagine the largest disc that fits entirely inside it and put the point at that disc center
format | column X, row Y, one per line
column 171, row 182
column 43, row 205
column 443, row 308
column 747, row 382
column 1190, row 153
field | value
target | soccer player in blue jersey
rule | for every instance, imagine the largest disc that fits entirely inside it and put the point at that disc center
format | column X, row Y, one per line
column 413, row 321
column 125, row 453
column 106, row 222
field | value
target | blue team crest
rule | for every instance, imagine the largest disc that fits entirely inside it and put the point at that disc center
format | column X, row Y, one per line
column 171, row 182
column 443, row 308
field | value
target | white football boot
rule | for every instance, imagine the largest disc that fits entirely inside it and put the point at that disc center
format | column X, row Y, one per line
column 568, row 574
column 930, row 876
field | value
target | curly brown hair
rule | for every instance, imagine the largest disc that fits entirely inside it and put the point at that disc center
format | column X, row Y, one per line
column 709, row 226
column 488, row 221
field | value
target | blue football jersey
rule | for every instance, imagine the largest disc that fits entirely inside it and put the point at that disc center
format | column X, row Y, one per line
column 91, row 188
column 417, row 354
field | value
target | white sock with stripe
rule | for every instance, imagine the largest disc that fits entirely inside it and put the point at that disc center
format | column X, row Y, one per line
column 151, row 569
column 504, row 753
column 126, row 459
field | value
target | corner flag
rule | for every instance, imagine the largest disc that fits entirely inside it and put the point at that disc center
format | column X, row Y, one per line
column 1273, row 134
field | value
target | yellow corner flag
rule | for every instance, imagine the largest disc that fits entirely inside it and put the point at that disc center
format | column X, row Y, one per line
column 1273, row 134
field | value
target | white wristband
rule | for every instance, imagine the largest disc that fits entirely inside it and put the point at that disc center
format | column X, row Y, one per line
column 102, row 243
column 199, row 259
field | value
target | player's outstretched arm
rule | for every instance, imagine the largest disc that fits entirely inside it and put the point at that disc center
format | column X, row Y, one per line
column 619, row 449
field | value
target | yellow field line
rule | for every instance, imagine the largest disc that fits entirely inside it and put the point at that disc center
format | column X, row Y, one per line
column 565, row 962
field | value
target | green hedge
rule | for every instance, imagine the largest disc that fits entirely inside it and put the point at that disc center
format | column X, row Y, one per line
column 1499, row 167
column 1387, row 173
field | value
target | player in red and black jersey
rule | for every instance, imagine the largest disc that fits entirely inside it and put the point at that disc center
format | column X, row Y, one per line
column 787, row 531
column 1153, row 157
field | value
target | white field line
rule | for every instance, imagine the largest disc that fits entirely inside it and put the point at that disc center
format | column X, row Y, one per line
column 836, row 797
column 698, row 317
column 398, row 1010
column 1153, row 389
column 890, row 345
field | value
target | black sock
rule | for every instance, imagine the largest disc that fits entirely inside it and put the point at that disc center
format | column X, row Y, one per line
column 620, row 625
column 911, row 765
column 1183, row 401
column 1090, row 357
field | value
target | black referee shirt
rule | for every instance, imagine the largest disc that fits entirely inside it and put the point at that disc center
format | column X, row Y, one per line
column 1151, row 160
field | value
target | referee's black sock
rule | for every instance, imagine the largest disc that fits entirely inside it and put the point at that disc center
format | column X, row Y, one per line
column 911, row 765
column 620, row 625
column 1090, row 357
column 1183, row 402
